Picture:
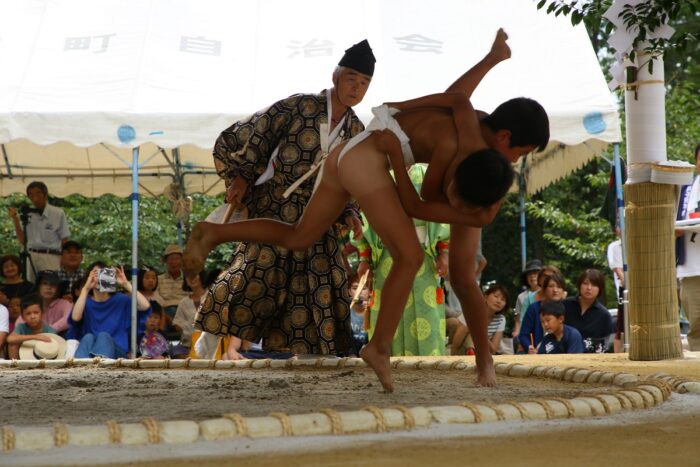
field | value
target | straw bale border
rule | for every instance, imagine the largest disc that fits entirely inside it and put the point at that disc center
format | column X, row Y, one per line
column 628, row 392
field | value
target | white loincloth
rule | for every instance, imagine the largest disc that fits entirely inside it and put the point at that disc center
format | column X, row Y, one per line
column 383, row 120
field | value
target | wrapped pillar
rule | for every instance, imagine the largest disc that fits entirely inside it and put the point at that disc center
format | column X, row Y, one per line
column 650, row 210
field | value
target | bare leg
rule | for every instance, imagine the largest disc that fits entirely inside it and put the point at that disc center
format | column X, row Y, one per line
column 324, row 207
column 385, row 213
column 463, row 244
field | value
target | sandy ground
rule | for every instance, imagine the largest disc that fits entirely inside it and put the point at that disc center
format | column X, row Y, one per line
column 661, row 436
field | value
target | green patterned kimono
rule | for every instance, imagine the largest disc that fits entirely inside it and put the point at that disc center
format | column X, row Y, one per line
column 295, row 301
column 421, row 330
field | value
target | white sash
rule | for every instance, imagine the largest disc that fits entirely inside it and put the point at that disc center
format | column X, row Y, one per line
column 335, row 137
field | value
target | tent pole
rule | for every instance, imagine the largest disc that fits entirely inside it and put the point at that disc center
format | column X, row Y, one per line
column 181, row 191
column 134, row 244
column 523, row 243
column 620, row 204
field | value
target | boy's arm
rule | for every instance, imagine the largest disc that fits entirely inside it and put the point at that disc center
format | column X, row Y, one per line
column 469, row 81
column 15, row 338
column 428, row 210
column 463, row 114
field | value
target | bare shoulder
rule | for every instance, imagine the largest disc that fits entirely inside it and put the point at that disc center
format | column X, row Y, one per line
column 428, row 130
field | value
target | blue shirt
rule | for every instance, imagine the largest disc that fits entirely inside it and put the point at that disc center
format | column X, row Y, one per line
column 531, row 325
column 571, row 342
column 48, row 229
column 112, row 316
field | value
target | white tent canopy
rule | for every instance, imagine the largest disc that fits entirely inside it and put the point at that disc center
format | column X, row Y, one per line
column 84, row 81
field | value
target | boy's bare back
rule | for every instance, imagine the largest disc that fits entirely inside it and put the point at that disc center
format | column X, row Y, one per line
column 427, row 128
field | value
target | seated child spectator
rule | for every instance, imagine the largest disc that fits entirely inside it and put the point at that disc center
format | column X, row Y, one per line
column 531, row 297
column 103, row 317
column 148, row 285
column 553, row 288
column 153, row 345
column 184, row 316
column 559, row 337
column 13, row 285
column 585, row 312
column 14, row 310
column 497, row 304
column 33, row 323
column 56, row 309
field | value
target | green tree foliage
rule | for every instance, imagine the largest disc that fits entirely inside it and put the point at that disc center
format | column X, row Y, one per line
column 563, row 227
column 103, row 226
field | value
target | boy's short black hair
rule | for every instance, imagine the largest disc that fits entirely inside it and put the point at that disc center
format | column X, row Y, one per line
column 40, row 185
column 29, row 300
column 525, row 118
column 484, row 177
column 554, row 308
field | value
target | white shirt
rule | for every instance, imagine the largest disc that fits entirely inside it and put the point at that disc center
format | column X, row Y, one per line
column 615, row 260
column 48, row 229
column 691, row 265
column 4, row 319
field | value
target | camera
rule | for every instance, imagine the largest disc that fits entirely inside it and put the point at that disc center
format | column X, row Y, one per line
column 24, row 209
column 107, row 280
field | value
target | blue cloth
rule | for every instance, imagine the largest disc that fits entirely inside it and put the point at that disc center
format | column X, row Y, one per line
column 112, row 316
column 571, row 342
column 531, row 325
column 24, row 329
column 141, row 317
column 101, row 346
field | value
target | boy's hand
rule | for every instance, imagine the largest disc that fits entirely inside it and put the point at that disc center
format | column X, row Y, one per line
column 41, row 338
column 531, row 350
column 499, row 49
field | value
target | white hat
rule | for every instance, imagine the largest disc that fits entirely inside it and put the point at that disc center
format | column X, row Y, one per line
column 36, row 350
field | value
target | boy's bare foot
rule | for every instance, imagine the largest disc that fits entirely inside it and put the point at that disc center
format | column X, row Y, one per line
column 485, row 373
column 197, row 249
column 381, row 365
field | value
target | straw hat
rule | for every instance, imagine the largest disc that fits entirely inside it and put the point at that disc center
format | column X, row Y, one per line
column 36, row 350
column 172, row 250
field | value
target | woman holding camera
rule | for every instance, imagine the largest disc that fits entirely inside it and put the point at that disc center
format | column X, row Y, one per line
column 102, row 316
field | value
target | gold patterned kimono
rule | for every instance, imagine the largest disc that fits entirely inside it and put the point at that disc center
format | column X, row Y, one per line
column 295, row 301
